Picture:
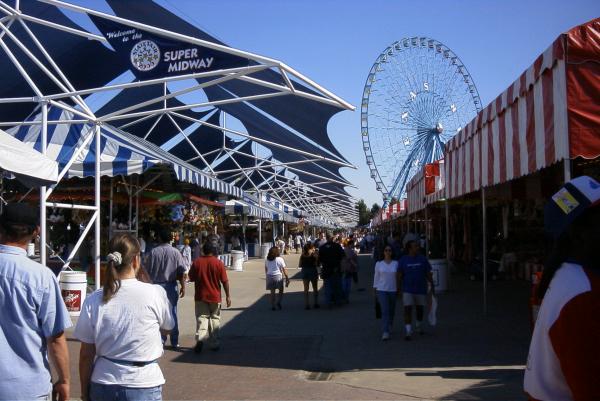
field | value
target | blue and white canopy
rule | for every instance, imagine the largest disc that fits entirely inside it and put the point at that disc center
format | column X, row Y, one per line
column 37, row 171
column 121, row 153
column 237, row 207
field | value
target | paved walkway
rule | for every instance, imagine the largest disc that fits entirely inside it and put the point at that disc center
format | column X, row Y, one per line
column 338, row 354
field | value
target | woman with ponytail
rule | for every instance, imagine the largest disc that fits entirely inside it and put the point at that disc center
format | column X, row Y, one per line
column 120, row 330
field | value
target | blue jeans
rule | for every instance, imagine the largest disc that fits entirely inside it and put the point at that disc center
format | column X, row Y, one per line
column 347, row 286
column 333, row 289
column 387, row 300
column 173, row 296
column 113, row 392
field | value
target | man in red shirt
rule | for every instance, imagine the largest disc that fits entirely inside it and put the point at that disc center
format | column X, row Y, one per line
column 208, row 274
column 564, row 355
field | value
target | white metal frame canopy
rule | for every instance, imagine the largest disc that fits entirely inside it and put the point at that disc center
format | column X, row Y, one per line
column 49, row 83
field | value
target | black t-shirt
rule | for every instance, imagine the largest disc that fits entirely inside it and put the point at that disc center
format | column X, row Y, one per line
column 330, row 256
column 308, row 262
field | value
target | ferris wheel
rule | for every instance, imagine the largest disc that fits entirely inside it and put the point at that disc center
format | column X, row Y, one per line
column 417, row 96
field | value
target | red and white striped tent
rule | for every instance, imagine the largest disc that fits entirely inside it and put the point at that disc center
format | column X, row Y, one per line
column 390, row 212
column 426, row 187
column 396, row 209
column 551, row 113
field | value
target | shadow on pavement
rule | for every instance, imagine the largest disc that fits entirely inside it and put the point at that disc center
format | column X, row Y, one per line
column 347, row 338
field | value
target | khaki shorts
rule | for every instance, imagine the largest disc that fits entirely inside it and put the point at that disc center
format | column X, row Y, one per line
column 409, row 299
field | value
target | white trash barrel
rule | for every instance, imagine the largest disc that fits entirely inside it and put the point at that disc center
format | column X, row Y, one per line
column 439, row 269
column 237, row 260
column 30, row 250
column 264, row 250
column 73, row 287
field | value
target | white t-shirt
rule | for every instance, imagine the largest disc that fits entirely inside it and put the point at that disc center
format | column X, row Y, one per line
column 126, row 328
column 274, row 266
column 385, row 276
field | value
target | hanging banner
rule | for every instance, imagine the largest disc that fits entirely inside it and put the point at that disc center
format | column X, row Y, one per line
column 151, row 56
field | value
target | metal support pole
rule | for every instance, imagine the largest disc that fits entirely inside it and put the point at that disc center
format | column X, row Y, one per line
column 110, row 209
column 43, row 238
column 447, row 207
column 244, row 222
column 484, row 243
column 426, row 233
column 567, row 170
column 260, row 222
column 97, row 203
column 137, row 208
column 129, row 225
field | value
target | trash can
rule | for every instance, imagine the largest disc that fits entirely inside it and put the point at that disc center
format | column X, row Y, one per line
column 251, row 250
column 264, row 250
column 73, row 286
column 237, row 260
column 439, row 269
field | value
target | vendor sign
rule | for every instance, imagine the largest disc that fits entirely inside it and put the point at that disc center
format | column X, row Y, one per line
column 152, row 56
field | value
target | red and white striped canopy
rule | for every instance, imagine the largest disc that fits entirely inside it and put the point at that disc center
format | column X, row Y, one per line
column 426, row 187
column 550, row 113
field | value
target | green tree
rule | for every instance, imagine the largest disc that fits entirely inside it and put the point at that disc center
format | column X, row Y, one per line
column 375, row 209
column 363, row 213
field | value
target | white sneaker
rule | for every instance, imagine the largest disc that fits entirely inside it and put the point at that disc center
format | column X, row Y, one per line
column 385, row 336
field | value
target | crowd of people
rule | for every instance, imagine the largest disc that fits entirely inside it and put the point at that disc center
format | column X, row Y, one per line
column 124, row 327
column 332, row 258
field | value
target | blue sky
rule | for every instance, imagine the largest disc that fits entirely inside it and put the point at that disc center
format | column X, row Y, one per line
column 336, row 42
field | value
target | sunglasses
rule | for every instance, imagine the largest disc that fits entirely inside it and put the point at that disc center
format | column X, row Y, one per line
column 387, row 250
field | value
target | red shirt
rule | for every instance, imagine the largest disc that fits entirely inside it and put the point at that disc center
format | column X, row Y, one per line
column 207, row 273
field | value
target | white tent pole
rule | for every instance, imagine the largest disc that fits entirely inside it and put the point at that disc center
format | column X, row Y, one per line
column 40, row 65
column 263, row 141
column 484, row 243
column 244, row 223
column 260, row 222
column 50, row 122
column 187, row 139
column 49, row 24
column 191, row 106
column 138, row 84
column 43, row 238
column 97, row 204
column 165, row 96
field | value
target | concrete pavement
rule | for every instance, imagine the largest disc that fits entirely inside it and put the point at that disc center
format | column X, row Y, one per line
column 338, row 354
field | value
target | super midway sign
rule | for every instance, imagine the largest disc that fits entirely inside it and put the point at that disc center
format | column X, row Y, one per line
column 152, row 56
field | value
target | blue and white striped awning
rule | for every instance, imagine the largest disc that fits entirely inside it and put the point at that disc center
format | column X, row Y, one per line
column 236, row 207
column 285, row 217
column 121, row 153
